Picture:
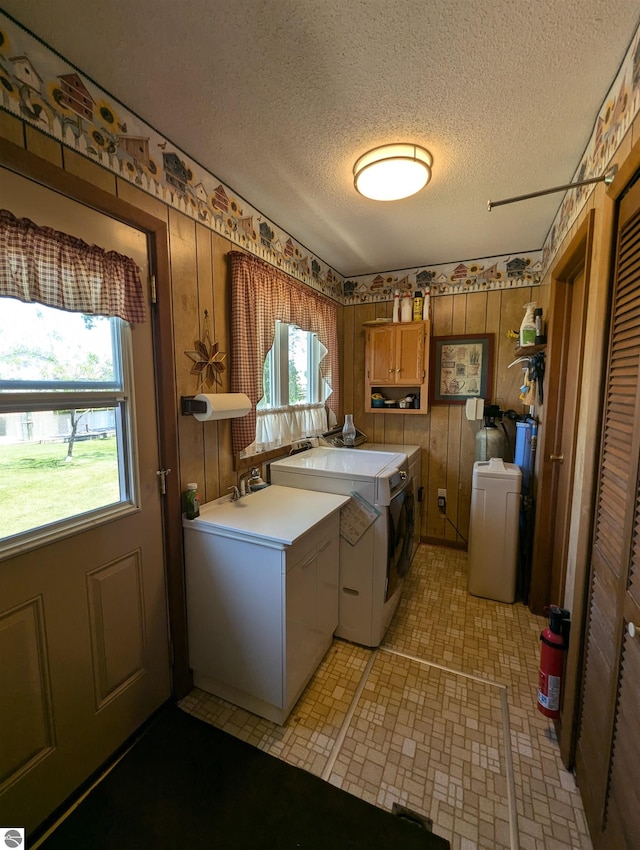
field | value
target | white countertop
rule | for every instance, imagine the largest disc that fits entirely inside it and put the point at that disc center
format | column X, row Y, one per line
column 276, row 514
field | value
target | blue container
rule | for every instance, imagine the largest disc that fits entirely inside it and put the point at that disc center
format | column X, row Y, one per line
column 524, row 454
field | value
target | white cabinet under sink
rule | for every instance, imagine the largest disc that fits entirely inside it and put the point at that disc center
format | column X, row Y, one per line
column 262, row 610
column 311, row 605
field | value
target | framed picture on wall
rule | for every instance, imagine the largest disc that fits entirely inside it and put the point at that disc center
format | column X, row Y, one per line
column 462, row 368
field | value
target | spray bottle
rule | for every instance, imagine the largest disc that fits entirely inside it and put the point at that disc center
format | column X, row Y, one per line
column 528, row 326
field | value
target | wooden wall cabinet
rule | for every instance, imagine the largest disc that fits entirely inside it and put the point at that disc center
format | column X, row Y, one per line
column 397, row 363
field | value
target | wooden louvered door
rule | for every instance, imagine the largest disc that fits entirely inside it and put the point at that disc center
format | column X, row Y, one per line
column 608, row 748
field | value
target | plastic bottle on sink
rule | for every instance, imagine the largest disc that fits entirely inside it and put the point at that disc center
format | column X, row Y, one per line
column 192, row 501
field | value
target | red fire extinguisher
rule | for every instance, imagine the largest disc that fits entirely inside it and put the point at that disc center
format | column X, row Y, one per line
column 554, row 644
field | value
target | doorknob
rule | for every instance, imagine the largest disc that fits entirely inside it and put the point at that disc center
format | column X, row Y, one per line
column 631, row 630
column 556, row 458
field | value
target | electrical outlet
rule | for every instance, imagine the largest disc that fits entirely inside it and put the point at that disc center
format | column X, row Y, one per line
column 442, row 500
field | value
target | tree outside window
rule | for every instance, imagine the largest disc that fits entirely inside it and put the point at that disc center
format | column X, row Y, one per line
column 64, row 407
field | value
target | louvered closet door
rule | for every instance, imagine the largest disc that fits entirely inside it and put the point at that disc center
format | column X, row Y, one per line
column 608, row 750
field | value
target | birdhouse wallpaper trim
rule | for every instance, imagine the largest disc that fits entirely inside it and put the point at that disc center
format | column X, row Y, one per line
column 40, row 87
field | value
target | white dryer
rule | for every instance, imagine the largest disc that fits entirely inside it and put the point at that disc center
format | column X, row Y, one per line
column 372, row 567
column 413, row 454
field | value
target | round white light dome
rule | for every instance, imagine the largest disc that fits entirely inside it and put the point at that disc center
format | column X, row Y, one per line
column 393, row 171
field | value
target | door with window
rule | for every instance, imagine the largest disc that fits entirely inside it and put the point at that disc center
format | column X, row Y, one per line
column 83, row 622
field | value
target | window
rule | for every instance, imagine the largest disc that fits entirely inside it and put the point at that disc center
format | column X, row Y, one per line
column 294, row 391
column 283, row 300
column 65, row 403
column 291, row 373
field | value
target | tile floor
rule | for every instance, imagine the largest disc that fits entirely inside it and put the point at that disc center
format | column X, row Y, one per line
column 441, row 718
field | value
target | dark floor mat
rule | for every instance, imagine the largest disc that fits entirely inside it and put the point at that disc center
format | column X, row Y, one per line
column 187, row 784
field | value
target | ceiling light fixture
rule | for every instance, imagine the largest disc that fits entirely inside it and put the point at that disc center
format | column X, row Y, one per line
column 391, row 172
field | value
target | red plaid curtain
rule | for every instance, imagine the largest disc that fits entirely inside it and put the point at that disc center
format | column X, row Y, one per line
column 261, row 294
column 41, row 264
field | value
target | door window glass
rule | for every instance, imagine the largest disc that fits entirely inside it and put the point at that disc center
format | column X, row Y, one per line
column 65, row 435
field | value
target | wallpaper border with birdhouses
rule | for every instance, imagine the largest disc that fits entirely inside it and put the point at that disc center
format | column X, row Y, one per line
column 43, row 89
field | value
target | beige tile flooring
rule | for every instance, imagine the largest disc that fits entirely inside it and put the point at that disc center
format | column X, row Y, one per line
column 441, row 718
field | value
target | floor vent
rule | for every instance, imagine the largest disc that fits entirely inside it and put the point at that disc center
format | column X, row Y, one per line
column 421, row 821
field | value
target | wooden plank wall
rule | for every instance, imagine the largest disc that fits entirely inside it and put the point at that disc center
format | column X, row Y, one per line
column 199, row 278
column 446, row 437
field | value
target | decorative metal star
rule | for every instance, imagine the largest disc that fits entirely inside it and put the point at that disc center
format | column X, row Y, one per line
column 207, row 362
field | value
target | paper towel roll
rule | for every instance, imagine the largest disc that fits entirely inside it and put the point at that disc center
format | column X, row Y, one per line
column 223, row 406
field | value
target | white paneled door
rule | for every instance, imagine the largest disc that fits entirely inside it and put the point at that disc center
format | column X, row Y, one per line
column 84, row 651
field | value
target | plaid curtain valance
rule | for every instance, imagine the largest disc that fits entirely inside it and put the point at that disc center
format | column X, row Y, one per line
column 261, row 294
column 44, row 265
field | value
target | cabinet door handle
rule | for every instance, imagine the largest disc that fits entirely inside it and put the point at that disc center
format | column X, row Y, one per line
column 398, row 370
column 308, row 562
column 322, row 548
column 390, row 370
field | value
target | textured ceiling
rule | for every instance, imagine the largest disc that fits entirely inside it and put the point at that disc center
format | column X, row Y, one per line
column 278, row 99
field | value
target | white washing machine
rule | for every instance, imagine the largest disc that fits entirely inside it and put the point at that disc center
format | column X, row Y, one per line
column 373, row 561
column 415, row 473
column 413, row 453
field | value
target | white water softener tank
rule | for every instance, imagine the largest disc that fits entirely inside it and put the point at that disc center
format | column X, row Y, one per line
column 493, row 530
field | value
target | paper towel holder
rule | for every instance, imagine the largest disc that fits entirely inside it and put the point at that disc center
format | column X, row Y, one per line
column 190, row 405
column 202, row 407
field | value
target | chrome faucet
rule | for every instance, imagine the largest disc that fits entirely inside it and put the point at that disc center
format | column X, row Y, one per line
column 235, row 493
column 245, row 480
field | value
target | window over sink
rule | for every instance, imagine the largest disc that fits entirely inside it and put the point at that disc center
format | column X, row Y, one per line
column 293, row 403
column 282, row 300
column 291, row 373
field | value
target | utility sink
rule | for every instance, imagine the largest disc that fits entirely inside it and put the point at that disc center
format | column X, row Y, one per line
column 276, row 514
